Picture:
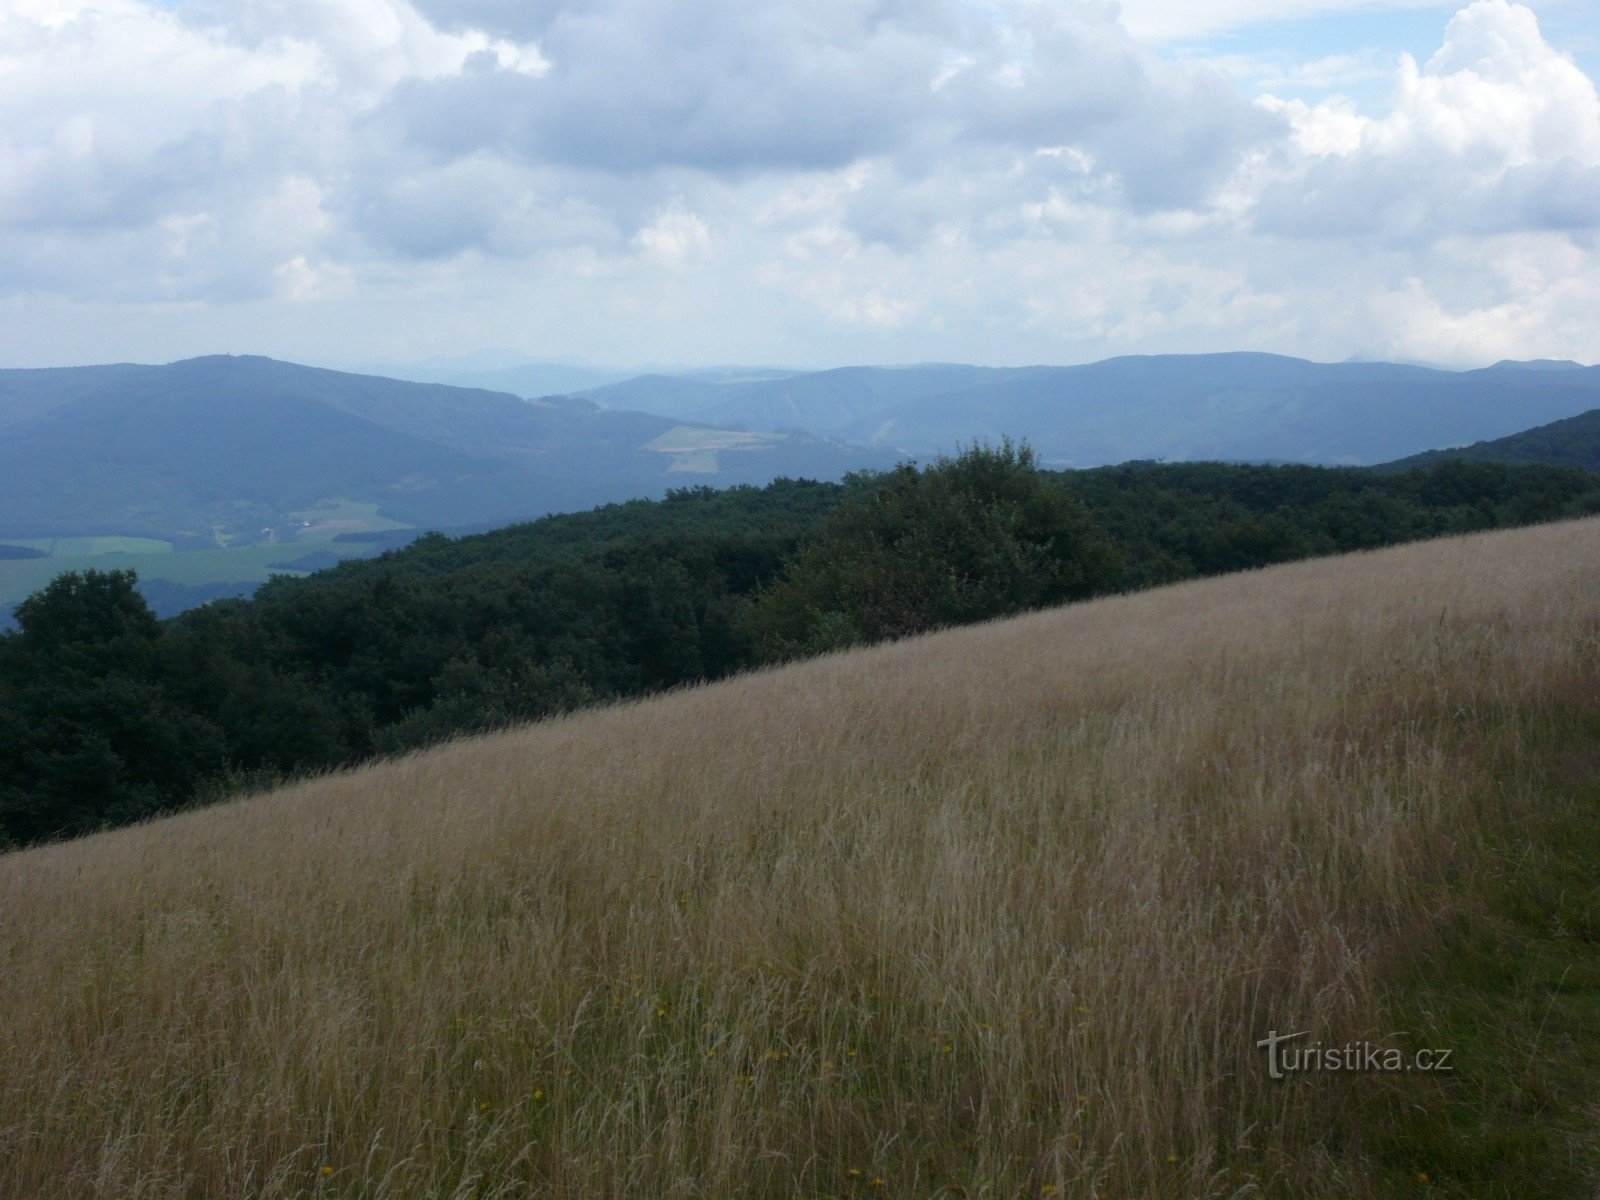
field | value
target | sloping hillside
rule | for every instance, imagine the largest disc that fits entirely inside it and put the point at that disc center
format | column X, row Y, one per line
column 238, row 446
column 997, row 912
column 1574, row 442
column 1254, row 407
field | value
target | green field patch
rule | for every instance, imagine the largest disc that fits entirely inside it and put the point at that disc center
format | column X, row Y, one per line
column 228, row 564
column 88, row 547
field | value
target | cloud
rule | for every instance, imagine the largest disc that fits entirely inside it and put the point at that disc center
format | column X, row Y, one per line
column 674, row 238
column 1497, row 133
column 1513, row 296
column 726, row 86
column 1170, row 20
column 427, row 138
column 1012, row 180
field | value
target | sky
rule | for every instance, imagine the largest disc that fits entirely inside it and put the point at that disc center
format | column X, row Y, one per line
column 803, row 184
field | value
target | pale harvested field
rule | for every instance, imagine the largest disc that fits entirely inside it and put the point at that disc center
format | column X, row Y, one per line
column 996, row 912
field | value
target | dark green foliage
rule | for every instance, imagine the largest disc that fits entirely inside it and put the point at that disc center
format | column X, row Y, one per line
column 107, row 714
column 500, row 687
column 1184, row 520
column 89, row 611
column 977, row 536
column 90, row 731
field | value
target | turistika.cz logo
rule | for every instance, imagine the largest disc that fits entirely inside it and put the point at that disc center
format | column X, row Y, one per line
column 1287, row 1055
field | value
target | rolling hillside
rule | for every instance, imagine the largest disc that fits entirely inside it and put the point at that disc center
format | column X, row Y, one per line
column 1001, row 911
column 1238, row 407
column 221, row 450
column 1574, row 442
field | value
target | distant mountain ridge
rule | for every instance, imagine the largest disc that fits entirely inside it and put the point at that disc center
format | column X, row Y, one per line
column 234, row 446
column 229, row 449
column 1236, row 406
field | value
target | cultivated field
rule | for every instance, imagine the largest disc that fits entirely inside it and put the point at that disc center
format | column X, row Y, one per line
column 999, row 912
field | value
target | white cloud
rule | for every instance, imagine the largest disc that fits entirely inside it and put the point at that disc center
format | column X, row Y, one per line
column 1494, row 92
column 810, row 181
column 674, row 238
column 1536, row 296
column 1498, row 132
column 1182, row 19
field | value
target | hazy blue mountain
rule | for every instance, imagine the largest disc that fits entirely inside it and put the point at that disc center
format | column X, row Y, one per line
column 846, row 397
column 27, row 395
column 526, row 379
column 242, row 445
column 1219, row 406
column 1537, row 364
column 534, row 380
column 1574, row 442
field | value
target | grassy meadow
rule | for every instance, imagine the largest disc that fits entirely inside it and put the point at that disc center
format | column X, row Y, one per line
column 997, row 912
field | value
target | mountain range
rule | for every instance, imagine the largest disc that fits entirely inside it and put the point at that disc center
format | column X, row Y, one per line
column 228, row 450
column 1236, row 407
column 223, row 448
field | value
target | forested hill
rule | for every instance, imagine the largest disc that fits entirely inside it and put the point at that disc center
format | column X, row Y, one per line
column 218, row 449
column 107, row 714
column 1574, row 442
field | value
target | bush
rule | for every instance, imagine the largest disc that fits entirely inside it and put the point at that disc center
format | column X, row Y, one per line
column 980, row 535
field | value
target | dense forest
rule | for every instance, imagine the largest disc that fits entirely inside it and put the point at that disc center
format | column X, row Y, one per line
column 108, row 715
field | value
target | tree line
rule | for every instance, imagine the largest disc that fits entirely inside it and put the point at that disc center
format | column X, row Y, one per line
column 108, row 715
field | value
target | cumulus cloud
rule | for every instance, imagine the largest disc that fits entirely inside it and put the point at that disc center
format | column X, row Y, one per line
column 156, row 138
column 674, row 238
column 1497, row 133
column 429, row 137
column 726, row 86
column 1015, row 180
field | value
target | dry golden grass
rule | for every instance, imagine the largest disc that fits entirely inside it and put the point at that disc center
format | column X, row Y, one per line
column 996, row 912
